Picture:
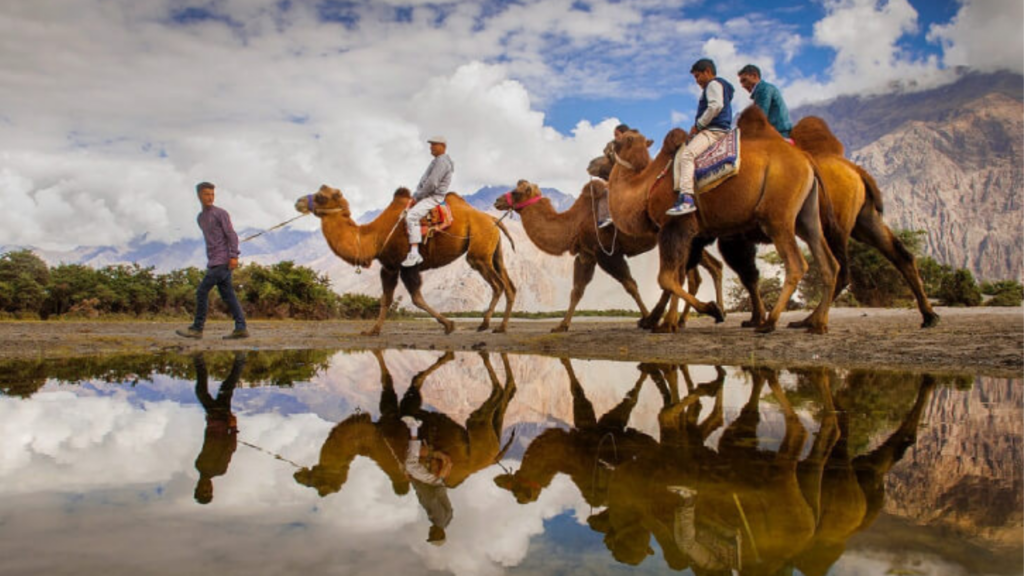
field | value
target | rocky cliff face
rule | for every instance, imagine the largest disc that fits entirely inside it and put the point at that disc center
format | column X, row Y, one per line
column 960, row 180
column 965, row 470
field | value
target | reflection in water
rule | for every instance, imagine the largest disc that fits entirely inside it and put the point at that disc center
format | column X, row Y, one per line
column 412, row 445
column 711, row 470
column 221, row 436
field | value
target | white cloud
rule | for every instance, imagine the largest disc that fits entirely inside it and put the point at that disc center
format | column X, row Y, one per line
column 985, row 35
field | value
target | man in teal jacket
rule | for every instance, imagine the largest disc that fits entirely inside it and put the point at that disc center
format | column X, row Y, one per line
column 767, row 97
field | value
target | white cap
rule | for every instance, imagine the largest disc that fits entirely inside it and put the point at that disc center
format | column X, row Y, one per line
column 437, row 140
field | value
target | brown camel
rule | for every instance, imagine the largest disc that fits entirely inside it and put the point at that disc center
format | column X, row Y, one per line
column 575, row 231
column 472, row 233
column 774, row 196
column 857, row 203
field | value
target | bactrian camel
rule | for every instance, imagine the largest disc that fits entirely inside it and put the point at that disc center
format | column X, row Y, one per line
column 773, row 197
column 575, row 231
column 472, row 233
column 857, row 203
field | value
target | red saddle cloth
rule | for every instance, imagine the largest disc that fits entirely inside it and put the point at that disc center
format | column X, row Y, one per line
column 439, row 218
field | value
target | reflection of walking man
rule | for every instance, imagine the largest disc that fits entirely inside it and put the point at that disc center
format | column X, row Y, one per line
column 221, row 437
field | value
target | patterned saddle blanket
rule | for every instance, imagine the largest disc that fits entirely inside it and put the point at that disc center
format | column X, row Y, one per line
column 439, row 218
column 717, row 163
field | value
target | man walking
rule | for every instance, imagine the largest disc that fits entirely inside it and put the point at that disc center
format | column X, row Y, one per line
column 714, row 118
column 429, row 194
column 767, row 97
column 222, row 258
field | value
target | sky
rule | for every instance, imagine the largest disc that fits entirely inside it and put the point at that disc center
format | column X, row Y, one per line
column 112, row 110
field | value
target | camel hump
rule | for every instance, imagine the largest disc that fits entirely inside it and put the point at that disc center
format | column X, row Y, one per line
column 813, row 134
column 402, row 192
column 753, row 123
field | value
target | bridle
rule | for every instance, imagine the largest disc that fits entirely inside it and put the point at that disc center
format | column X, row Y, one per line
column 513, row 206
column 318, row 211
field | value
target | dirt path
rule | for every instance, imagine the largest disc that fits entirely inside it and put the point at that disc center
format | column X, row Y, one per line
column 987, row 341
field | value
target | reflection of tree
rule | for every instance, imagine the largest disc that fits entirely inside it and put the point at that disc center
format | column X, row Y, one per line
column 469, row 448
column 275, row 368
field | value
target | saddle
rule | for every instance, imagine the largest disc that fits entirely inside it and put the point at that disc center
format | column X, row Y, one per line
column 439, row 218
column 718, row 163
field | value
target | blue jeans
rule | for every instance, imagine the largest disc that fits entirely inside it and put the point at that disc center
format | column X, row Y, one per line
column 219, row 276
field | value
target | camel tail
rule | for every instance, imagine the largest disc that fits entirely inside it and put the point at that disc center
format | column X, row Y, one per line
column 874, row 193
column 507, row 235
column 830, row 225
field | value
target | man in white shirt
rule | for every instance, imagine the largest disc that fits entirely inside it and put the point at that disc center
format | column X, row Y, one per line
column 429, row 194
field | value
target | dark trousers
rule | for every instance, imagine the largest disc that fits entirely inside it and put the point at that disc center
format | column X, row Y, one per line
column 219, row 276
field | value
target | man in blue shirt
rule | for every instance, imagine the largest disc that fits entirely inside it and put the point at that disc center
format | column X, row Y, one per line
column 222, row 257
column 714, row 119
column 767, row 97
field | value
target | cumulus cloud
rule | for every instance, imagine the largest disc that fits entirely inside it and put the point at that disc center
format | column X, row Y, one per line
column 983, row 35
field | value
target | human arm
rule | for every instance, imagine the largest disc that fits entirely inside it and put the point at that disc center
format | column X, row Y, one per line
column 436, row 179
column 231, row 239
column 716, row 101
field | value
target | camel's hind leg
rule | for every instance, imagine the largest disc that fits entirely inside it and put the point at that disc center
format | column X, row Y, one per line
column 675, row 242
column 490, row 275
column 617, row 267
column 871, row 230
column 714, row 267
column 413, row 282
column 583, row 267
column 809, row 227
column 650, row 321
column 388, row 282
column 498, row 259
column 741, row 256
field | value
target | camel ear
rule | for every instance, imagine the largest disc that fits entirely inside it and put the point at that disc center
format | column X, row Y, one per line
column 402, row 192
column 650, row 142
column 504, row 481
column 521, row 183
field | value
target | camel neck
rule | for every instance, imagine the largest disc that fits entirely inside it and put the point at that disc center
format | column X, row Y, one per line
column 551, row 231
column 355, row 244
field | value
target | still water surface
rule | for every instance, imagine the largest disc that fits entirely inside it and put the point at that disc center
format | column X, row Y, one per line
column 298, row 462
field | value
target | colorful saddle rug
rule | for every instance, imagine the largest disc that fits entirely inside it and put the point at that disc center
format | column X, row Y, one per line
column 439, row 218
column 717, row 163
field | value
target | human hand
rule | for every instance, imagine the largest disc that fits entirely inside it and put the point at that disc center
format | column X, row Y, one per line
column 232, row 263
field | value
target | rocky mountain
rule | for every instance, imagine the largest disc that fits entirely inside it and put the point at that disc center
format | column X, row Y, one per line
column 949, row 162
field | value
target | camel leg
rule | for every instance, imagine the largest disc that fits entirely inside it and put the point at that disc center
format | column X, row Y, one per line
column 741, row 256
column 674, row 243
column 480, row 427
column 583, row 267
column 388, row 283
column 810, row 471
column 871, row 230
column 617, row 418
column 582, row 410
column 510, row 289
column 670, row 323
column 714, row 267
column 809, row 228
column 650, row 321
column 716, row 418
column 617, row 267
column 413, row 282
column 796, row 267
column 493, row 279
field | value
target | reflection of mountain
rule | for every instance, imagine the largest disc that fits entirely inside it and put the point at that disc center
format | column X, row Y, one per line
column 964, row 472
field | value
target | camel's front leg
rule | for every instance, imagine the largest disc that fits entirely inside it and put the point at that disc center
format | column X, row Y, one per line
column 675, row 241
column 617, row 267
column 413, row 282
column 583, row 267
column 388, row 283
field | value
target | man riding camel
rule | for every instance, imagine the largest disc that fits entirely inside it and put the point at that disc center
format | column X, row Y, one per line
column 604, row 215
column 714, row 119
column 767, row 97
column 429, row 194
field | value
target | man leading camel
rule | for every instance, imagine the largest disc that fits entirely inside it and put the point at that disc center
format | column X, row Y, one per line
column 429, row 194
column 767, row 97
column 714, row 119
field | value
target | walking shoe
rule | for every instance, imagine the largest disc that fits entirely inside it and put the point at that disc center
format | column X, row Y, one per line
column 237, row 334
column 413, row 423
column 686, row 493
column 684, row 205
column 190, row 332
column 605, row 223
column 413, row 259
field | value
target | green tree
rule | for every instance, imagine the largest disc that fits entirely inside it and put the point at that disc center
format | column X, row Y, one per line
column 1003, row 292
column 874, row 281
column 23, row 277
column 959, row 289
column 70, row 284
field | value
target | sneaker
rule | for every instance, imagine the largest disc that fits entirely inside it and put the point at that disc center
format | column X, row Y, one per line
column 413, row 259
column 412, row 423
column 605, row 223
column 682, row 206
column 686, row 493
column 190, row 332
column 237, row 334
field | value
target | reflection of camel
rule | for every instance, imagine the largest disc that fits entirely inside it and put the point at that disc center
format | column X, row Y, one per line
column 587, row 452
column 471, row 448
column 853, row 489
column 857, row 203
column 221, row 436
column 773, row 196
column 472, row 233
column 575, row 231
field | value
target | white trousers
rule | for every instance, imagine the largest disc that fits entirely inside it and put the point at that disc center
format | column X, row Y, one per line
column 417, row 213
column 682, row 169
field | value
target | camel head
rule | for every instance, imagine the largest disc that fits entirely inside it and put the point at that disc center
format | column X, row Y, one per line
column 601, row 167
column 524, row 490
column 524, row 194
column 327, row 200
column 325, row 480
column 630, row 151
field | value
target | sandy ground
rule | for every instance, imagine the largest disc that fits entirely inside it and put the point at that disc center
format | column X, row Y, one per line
column 988, row 341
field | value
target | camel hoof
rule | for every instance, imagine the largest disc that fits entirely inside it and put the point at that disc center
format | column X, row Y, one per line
column 765, row 328
column 817, row 330
column 666, row 329
column 805, row 323
column 930, row 321
column 646, row 323
column 499, row 330
column 370, row 333
column 449, row 328
column 482, row 327
column 749, row 324
column 560, row 328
